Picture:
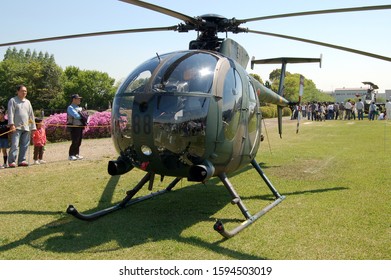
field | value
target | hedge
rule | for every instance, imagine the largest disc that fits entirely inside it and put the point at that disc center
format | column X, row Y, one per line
column 98, row 126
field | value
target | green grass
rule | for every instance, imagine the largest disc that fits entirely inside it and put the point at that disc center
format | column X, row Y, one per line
column 335, row 175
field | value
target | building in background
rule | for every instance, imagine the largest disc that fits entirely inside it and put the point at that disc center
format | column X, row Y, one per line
column 387, row 94
column 343, row 94
column 368, row 94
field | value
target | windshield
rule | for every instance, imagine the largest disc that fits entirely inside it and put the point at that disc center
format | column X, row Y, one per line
column 186, row 72
column 167, row 98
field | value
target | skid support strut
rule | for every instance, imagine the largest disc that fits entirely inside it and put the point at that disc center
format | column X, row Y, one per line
column 219, row 226
column 126, row 201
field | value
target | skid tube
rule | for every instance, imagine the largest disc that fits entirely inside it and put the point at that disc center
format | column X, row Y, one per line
column 219, row 226
column 127, row 201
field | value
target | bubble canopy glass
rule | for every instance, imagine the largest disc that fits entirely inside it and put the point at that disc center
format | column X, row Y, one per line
column 167, row 98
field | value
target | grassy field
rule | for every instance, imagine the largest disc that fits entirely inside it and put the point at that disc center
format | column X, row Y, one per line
column 335, row 174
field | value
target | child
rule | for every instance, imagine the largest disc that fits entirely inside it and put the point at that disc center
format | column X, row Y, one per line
column 4, row 131
column 39, row 141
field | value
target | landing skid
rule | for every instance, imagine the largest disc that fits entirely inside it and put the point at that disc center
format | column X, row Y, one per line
column 219, row 226
column 127, row 201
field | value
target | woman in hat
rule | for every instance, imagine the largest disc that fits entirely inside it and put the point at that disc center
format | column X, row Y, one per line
column 75, row 126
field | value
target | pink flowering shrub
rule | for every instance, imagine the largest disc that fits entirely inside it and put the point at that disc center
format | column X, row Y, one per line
column 56, row 129
column 98, row 126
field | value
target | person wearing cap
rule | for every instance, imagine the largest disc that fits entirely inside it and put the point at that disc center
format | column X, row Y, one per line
column 75, row 126
column 21, row 122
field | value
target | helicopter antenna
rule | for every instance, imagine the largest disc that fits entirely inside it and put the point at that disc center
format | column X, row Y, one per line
column 158, row 57
column 267, row 136
column 301, row 89
column 281, row 93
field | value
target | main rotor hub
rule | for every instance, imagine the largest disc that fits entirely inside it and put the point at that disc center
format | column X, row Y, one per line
column 208, row 27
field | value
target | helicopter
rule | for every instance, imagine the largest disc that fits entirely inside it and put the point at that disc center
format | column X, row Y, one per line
column 195, row 114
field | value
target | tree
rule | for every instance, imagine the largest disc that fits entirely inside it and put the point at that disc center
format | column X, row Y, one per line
column 257, row 77
column 268, row 85
column 95, row 87
column 49, row 87
column 274, row 78
column 40, row 74
column 275, row 75
column 292, row 84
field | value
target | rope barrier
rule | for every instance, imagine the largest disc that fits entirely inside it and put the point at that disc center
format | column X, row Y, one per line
column 66, row 125
column 60, row 125
column 51, row 125
column 9, row 131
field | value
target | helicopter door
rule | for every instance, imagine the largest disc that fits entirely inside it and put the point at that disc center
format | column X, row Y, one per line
column 253, row 120
column 232, row 103
column 232, row 118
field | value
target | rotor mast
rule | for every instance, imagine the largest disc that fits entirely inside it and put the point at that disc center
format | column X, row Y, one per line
column 210, row 25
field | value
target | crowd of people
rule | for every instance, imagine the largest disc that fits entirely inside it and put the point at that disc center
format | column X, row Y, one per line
column 18, row 127
column 349, row 110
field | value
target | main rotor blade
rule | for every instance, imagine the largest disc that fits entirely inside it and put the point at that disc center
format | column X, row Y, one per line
column 322, row 44
column 124, row 31
column 162, row 10
column 343, row 10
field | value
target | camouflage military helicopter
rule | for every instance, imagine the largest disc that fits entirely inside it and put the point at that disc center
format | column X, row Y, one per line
column 195, row 113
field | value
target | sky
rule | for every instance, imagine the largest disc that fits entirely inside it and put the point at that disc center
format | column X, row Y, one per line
column 118, row 55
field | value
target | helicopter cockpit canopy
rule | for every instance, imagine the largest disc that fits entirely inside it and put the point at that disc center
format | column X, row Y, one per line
column 188, row 72
column 165, row 101
column 177, row 72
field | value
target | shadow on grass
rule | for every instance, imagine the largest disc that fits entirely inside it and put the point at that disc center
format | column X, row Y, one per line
column 29, row 212
column 317, row 191
column 157, row 219
column 271, row 197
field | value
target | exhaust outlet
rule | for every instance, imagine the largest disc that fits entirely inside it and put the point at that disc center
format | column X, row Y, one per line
column 119, row 166
column 201, row 172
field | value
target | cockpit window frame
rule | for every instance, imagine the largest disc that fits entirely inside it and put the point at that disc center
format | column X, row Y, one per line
column 180, row 74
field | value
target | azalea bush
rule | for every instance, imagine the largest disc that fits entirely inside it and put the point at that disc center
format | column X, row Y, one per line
column 98, row 126
column 56, row 129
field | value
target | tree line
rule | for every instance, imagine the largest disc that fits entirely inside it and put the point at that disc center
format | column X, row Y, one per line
column 50, row 86
column 292, row 85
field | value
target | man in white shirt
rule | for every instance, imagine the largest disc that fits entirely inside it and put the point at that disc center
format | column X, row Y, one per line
column 21, row 122
column 360, row 109
column 388, row 110
column 348, row 110
column 330, row 111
